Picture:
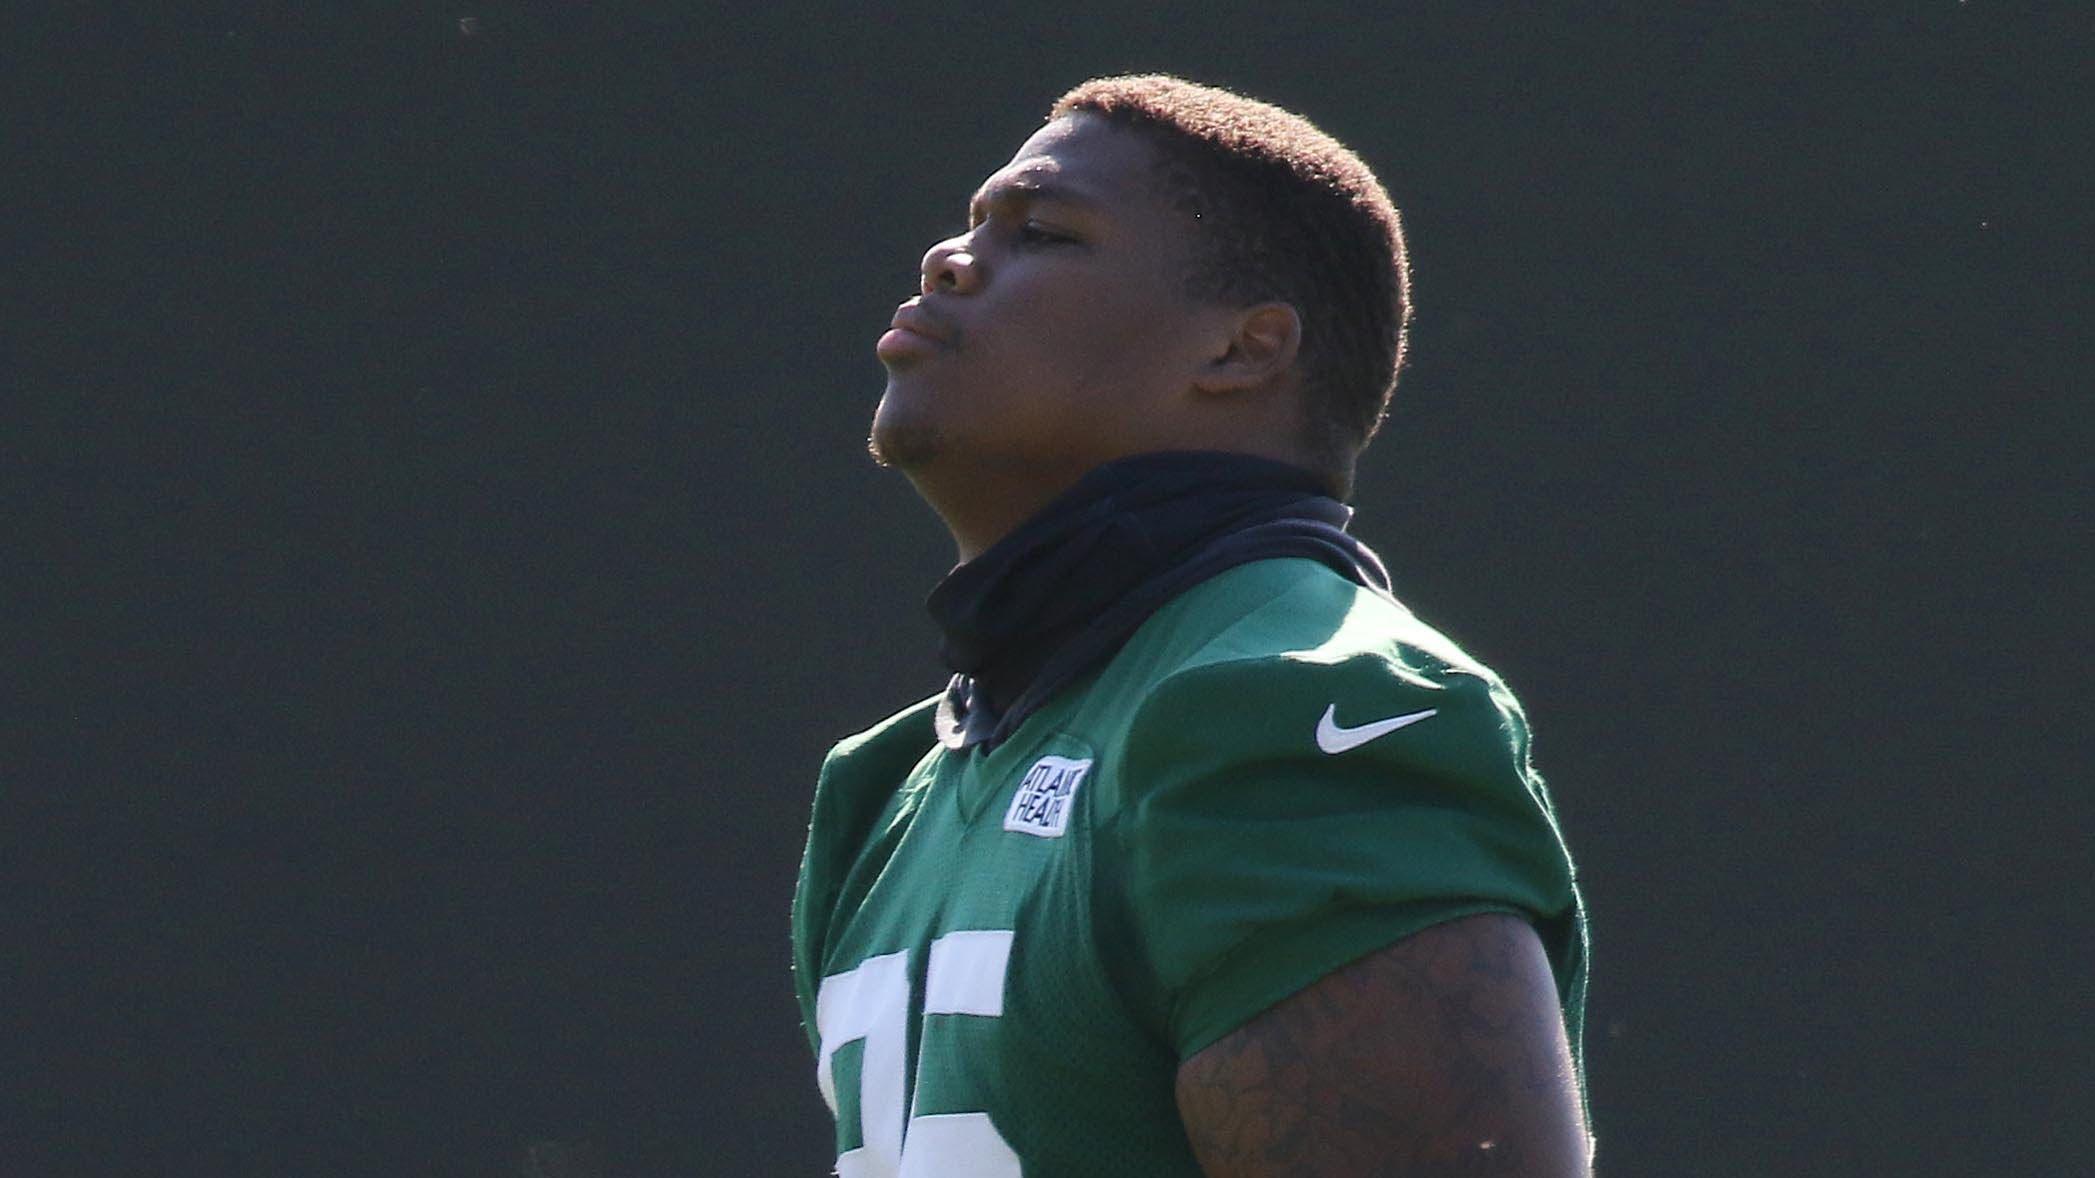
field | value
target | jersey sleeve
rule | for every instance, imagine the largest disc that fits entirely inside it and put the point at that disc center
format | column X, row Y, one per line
column 1282, row 817
column 857, row 780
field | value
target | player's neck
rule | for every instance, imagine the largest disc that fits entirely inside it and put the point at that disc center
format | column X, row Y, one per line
column 982, row 506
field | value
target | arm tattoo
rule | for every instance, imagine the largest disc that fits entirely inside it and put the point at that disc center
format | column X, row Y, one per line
column 1441, row 1055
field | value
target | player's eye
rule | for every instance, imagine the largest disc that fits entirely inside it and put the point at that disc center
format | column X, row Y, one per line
column 1034, row 233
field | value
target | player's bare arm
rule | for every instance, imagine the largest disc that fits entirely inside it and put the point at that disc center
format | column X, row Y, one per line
column 1443, row 1054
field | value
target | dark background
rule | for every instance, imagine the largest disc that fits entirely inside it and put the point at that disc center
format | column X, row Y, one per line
column 446, row 549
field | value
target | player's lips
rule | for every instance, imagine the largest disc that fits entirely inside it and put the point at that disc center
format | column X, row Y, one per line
column 914, row 330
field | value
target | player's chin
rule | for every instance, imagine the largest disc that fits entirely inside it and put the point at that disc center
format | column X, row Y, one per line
column 904, row 435
column 908, row 395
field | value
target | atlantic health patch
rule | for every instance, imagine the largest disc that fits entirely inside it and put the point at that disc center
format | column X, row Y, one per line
column 1041, row 806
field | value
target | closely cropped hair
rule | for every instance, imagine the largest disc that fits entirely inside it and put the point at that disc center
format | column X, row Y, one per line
column 1286, row 213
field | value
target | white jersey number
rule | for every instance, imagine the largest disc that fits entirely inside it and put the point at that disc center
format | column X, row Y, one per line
column 871, row 1003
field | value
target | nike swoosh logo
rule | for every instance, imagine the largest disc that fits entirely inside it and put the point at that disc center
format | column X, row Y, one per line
column 1334, row 739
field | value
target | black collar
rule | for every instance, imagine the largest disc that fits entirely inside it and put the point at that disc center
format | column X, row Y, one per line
column 1064, row 590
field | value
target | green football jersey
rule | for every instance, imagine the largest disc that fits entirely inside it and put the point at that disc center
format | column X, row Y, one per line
column 1002, row 958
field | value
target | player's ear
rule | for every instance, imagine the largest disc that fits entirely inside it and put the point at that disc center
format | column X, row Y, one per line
column 1259, row 344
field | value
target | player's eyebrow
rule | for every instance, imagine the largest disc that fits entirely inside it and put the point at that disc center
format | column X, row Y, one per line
column 1027, row 190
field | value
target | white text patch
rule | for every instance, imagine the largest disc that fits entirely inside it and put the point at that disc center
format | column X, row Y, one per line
column 1045, row 797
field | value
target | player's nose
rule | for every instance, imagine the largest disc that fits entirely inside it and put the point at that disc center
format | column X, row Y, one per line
column 950, row 268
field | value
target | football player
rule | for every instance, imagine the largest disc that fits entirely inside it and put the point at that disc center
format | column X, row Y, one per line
column 1212, row 859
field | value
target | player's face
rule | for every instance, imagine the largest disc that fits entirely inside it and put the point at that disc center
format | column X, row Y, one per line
column 1055, row 333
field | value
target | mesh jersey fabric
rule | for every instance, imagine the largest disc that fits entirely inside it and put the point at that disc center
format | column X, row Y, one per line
column 1001, row 958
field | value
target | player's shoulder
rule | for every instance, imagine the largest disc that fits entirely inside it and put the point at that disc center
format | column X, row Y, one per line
column 1295, row 622
column 1287, row 659
column 910, row 726
column 858, row 779
column 884, row 752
